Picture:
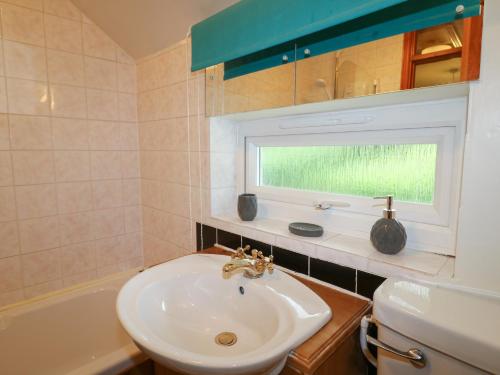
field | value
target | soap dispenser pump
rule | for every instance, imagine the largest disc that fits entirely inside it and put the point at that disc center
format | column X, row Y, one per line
column 388, row 235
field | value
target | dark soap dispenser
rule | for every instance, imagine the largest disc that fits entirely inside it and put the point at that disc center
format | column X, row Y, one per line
column 388, row 235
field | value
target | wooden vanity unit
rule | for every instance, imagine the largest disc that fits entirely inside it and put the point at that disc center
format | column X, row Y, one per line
column 334, row 349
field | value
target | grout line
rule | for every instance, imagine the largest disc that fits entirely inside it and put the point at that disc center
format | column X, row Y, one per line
column 356, row 281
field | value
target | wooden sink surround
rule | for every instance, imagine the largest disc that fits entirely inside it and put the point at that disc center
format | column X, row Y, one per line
column 334, row 349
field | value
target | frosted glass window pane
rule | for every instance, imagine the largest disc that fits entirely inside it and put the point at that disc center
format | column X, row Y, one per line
column 406, row 171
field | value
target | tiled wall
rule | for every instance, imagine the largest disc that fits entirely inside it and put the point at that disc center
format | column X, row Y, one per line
column 69, row 167
column 361, row 66
column 173, row 135
column 348, row 278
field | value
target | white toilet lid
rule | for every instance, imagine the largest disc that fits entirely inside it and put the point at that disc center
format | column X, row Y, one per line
column 462, row 323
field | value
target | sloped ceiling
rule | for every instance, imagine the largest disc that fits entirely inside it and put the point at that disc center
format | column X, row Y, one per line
column 143, row 27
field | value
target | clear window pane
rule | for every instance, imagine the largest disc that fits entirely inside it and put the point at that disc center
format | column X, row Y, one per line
column 407, row 171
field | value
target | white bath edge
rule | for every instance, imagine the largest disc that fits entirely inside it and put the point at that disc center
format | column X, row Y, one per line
column 73, row 288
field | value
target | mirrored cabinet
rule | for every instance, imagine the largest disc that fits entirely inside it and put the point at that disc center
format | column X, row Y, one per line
column 437, row 55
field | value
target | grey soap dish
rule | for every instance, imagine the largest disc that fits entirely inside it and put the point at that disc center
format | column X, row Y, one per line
column 306, row 229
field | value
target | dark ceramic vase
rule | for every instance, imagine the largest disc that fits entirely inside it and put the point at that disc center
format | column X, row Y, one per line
column 388, row 236
column 247, row 206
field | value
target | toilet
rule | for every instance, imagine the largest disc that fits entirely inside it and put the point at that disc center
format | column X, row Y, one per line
column 426, row 328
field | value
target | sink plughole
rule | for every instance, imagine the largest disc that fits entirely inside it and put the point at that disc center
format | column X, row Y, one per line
column 175, row 311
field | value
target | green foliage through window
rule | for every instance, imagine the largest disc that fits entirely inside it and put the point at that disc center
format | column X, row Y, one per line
column 407, row 171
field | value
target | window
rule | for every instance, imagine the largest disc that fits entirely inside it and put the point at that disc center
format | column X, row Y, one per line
column 407, row 171
column 352, row 167
column 411, row 151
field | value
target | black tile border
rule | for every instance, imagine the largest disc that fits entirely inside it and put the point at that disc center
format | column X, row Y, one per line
column 351, row 279
column 368, row 283
column 341, row 276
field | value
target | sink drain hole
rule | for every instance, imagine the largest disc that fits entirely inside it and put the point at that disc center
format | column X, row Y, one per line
column 226, row 338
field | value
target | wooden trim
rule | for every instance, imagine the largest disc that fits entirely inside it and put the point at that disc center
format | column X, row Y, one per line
column 471, row 56
column 470, row 53
column 437, row 56
column 408, row 68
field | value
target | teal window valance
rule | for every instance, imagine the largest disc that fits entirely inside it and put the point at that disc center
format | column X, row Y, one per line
column 253, row 35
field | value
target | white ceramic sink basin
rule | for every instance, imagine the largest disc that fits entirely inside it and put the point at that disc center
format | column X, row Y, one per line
column 174, row 312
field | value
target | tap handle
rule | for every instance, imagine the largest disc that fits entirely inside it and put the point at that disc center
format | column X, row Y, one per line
column 240, row 252
column 270, row 264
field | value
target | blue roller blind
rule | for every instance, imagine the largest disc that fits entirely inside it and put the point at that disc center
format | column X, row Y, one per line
column 253, row 35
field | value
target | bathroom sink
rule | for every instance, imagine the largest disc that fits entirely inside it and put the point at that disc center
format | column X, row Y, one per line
column 186, row 316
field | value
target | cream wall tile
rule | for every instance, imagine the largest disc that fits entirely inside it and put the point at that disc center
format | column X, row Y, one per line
column 130, row 164
column 63, row 34
column 22, row 25
column 4, row 132
column 44, row 288
column 133, row 219
column 7, row 204
column 10, row 274
column 127, row 78
column 172, row 66
column 176, row 199
column 108, row 222
column 72, row 166
column 146, row 103
column 70, row 134
column 76, row 228
column 152, row 193
column 172, row 101
column 11, row 297
column 102, row 105
column 66, row 68
column 57, row 151
column 62, row 8
column 131, row 192
column 131, row 246
column 121, row 267
column 74, row 197
column 180, row 231
column 97, row 44
column 80, row 278
column 105, row 164
column 41, row 267
column 173, row 134
column 78, row 258
column 9, row 239
column 100, row 73
column 107, row 194
column 127, row 107
column 3, row 95
column 39, row 234
column 36, row 201
column 104, row 135
column 27, row 97
column 124, row 57
column 33, row 167
column 33, row 4
column 30, row 133
column 68, row 101
column 6, row 177
column 129, row 135
column 175, row 167
column 24, row 61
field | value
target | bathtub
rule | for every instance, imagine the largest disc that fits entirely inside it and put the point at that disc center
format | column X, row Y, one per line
column 75, row 332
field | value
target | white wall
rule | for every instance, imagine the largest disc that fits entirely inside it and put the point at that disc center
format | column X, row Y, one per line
column 478, row 246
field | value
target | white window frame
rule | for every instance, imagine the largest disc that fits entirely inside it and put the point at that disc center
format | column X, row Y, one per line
column 431, row 227
column 436, row 213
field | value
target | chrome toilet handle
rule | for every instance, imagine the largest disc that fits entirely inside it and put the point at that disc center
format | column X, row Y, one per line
column 415, row 356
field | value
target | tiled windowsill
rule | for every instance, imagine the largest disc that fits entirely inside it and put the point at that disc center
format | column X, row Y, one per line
column 341, row 249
